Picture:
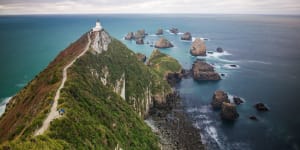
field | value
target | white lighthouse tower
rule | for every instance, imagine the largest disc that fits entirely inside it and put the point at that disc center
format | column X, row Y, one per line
column 98, row 26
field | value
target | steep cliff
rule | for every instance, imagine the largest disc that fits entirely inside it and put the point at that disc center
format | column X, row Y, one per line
column 106, row 96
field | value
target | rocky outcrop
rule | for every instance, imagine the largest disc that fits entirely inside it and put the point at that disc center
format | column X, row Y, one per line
column 186, row 36
column 261, row 107
column 140, row 34
column 198, row 48
column 237, row 100
column 159, row 32
column 218, row 98
column 141, row 57
column 100, row 41
column 139, row 41
column 229, row 111
column 204, row 71
column 163, row 43
column 173, row 78
column 174, row 30
column 129, row 36
column 220, row 50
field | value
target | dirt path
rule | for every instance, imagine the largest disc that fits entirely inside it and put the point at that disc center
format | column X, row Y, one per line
column 53, row 112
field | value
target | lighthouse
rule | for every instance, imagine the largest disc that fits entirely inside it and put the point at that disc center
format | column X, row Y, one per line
column 98, row 26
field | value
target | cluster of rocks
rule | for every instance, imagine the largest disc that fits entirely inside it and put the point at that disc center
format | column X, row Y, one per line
column 175, row 128
column 138, row 36
column 228, row 110
column 202, row 71
column 221, row 101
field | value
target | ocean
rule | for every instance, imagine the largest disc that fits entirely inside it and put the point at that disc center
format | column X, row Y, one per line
column 265, row 48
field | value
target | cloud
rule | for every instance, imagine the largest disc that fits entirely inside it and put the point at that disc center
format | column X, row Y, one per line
column 150, row 6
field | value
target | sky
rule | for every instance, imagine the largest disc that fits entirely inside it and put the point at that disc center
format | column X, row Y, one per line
column 149, row 6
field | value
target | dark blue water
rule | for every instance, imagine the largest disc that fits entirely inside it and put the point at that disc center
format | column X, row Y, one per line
column 266, row 49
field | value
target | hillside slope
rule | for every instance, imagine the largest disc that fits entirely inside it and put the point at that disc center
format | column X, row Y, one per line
column 106, row 96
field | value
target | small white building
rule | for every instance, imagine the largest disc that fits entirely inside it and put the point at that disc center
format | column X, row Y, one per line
column 98, row 26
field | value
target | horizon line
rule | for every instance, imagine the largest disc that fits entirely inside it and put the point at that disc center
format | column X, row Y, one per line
column 41, row 14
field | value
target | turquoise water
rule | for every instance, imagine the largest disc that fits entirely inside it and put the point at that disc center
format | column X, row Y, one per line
column 266, row 49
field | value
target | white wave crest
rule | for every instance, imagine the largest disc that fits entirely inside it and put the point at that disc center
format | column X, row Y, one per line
column 3, row 104
column 231, row 66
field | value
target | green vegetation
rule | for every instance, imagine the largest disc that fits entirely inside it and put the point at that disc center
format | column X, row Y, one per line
column 96, row 117
column 163, row 63
column 27, row 110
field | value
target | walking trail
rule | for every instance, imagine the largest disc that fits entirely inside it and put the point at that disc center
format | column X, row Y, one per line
column 54, row 112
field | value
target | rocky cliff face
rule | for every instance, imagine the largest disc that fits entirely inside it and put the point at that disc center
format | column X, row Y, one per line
column 100, row 41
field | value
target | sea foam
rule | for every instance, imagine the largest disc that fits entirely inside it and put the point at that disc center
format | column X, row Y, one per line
column 3, row 104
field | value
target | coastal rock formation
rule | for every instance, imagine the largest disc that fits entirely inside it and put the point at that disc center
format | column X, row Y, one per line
column 204, row 71
column 141, row 57
column 173, row 78
column 186, row 36
column 100, row 41
column 237, row 100
column 159, row 32
column 218, row 98
column 220, row 50
column 139, row 41
column 163, row 43
column 229, row 111
column 174, row 30
column 140, row 34
column 129, row 36
column 261, row 107
column 198, row 48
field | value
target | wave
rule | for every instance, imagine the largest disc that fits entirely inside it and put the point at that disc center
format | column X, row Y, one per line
column 154, row 35
column 202, row 38
column 231, row 66
column 230, row 97
column 259, row 62
column 3, row 104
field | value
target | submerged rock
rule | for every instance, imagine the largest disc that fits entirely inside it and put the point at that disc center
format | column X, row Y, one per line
column 253, row 118
column 186, row 36
column 218, row 98
column 237, row 100
column 229, row 111
column 220, row 50
column 174, row 30
column 198, row 48
column 141, row 57
column 261, row 107
column 159, row 32
column 129, row 36
column 204, row 71
column 163, row 43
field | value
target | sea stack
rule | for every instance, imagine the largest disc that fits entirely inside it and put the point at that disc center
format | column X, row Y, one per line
column 163, row 43
column 186, row 36
column 229, row 112
column 203, row 71
column 159, row 32
column 198, row 48
column 218, row 98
